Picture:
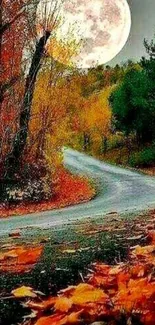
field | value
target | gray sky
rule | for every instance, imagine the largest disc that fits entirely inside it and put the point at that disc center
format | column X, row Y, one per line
column 143, row 26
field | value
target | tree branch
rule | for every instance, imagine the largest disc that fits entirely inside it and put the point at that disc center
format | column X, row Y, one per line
column 5, row 26
column 6, row 86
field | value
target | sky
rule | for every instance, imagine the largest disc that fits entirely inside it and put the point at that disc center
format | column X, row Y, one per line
column 143, row 26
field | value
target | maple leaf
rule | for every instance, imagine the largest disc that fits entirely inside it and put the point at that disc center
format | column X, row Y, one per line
column 20, row 258
column 115, row 270
column 122, row 280
column 102, row 268
column 105, row 282
column 73, row 318
column 23, row 292
column 138, row 270
column 63, row 304
column 43, row 305
column 51, row 320
column 85, row 293
column 143, row 251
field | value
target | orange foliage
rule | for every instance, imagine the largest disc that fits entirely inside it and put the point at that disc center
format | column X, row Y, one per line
column 69, row 190
column 73, row 318
column 19, row 259
column 127, row 288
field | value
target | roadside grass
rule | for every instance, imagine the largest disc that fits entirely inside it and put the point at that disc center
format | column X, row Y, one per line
column 125, row 153
column 142, row 159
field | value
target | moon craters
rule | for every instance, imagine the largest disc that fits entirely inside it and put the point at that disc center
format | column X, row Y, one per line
column 111, row 12
column 102, row 38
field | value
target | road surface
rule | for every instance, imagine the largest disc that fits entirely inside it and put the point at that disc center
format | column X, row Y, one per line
column 119, row 190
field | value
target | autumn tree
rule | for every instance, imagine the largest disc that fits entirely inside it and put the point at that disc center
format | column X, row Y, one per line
column 24, row 26
column 50, row 117
column 18, row 20
column 101, row 116
column 13, row 33
column 49, row 22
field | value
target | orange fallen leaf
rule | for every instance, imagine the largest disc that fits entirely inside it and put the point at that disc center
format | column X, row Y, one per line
column 63, row 304
column 19, row 259
column 139, row 270
column 105, row 282
column 13, row 253
column 142, row 251
column 102, row 268
column 51, row 320
column 115, row 270
column 73, row 318
column 85, row 293
column 43, row 305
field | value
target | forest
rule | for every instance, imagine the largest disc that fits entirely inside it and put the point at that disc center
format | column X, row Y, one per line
column 47, row 103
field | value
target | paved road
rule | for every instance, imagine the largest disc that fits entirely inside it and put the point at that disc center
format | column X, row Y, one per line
column 120, row 190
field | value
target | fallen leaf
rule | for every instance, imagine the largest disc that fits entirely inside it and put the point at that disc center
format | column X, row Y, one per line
column 63, row 304
column 19, row 259
column 85, row 293
column 43, row 305
column 23, row 292
column 51, row 320
column 142, row 251
column 15, row 234
column 69, row 251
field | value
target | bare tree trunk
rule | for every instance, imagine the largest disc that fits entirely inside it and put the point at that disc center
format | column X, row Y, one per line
column 86, row 141
column 0, row 51
column 128, row 145
column 104, row 145
column 13, row 159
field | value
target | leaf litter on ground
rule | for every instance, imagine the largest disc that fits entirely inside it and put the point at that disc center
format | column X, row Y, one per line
column 109, row 291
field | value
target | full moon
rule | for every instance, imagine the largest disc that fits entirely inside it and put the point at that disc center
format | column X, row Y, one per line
column 102, row 26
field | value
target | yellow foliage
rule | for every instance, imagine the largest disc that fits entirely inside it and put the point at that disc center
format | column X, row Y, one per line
column 63, row 51
column 95, row 114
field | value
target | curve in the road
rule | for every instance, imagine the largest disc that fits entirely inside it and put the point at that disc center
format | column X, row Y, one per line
column 120, row 190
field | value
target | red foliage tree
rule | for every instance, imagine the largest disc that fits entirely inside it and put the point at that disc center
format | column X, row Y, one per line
column 14, row 31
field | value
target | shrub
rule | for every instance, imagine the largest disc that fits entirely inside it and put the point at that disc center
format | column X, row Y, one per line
column 116, row 141
column 144, row 158
column 34, row 184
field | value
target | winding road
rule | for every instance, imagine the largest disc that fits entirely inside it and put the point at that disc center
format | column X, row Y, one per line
column 119, row 190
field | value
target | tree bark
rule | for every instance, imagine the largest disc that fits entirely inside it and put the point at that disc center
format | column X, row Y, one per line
column 128, row 145
column 86, row 141
column 4, row 27
column 13, row 159
column 104, row 145
column 0, row 50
